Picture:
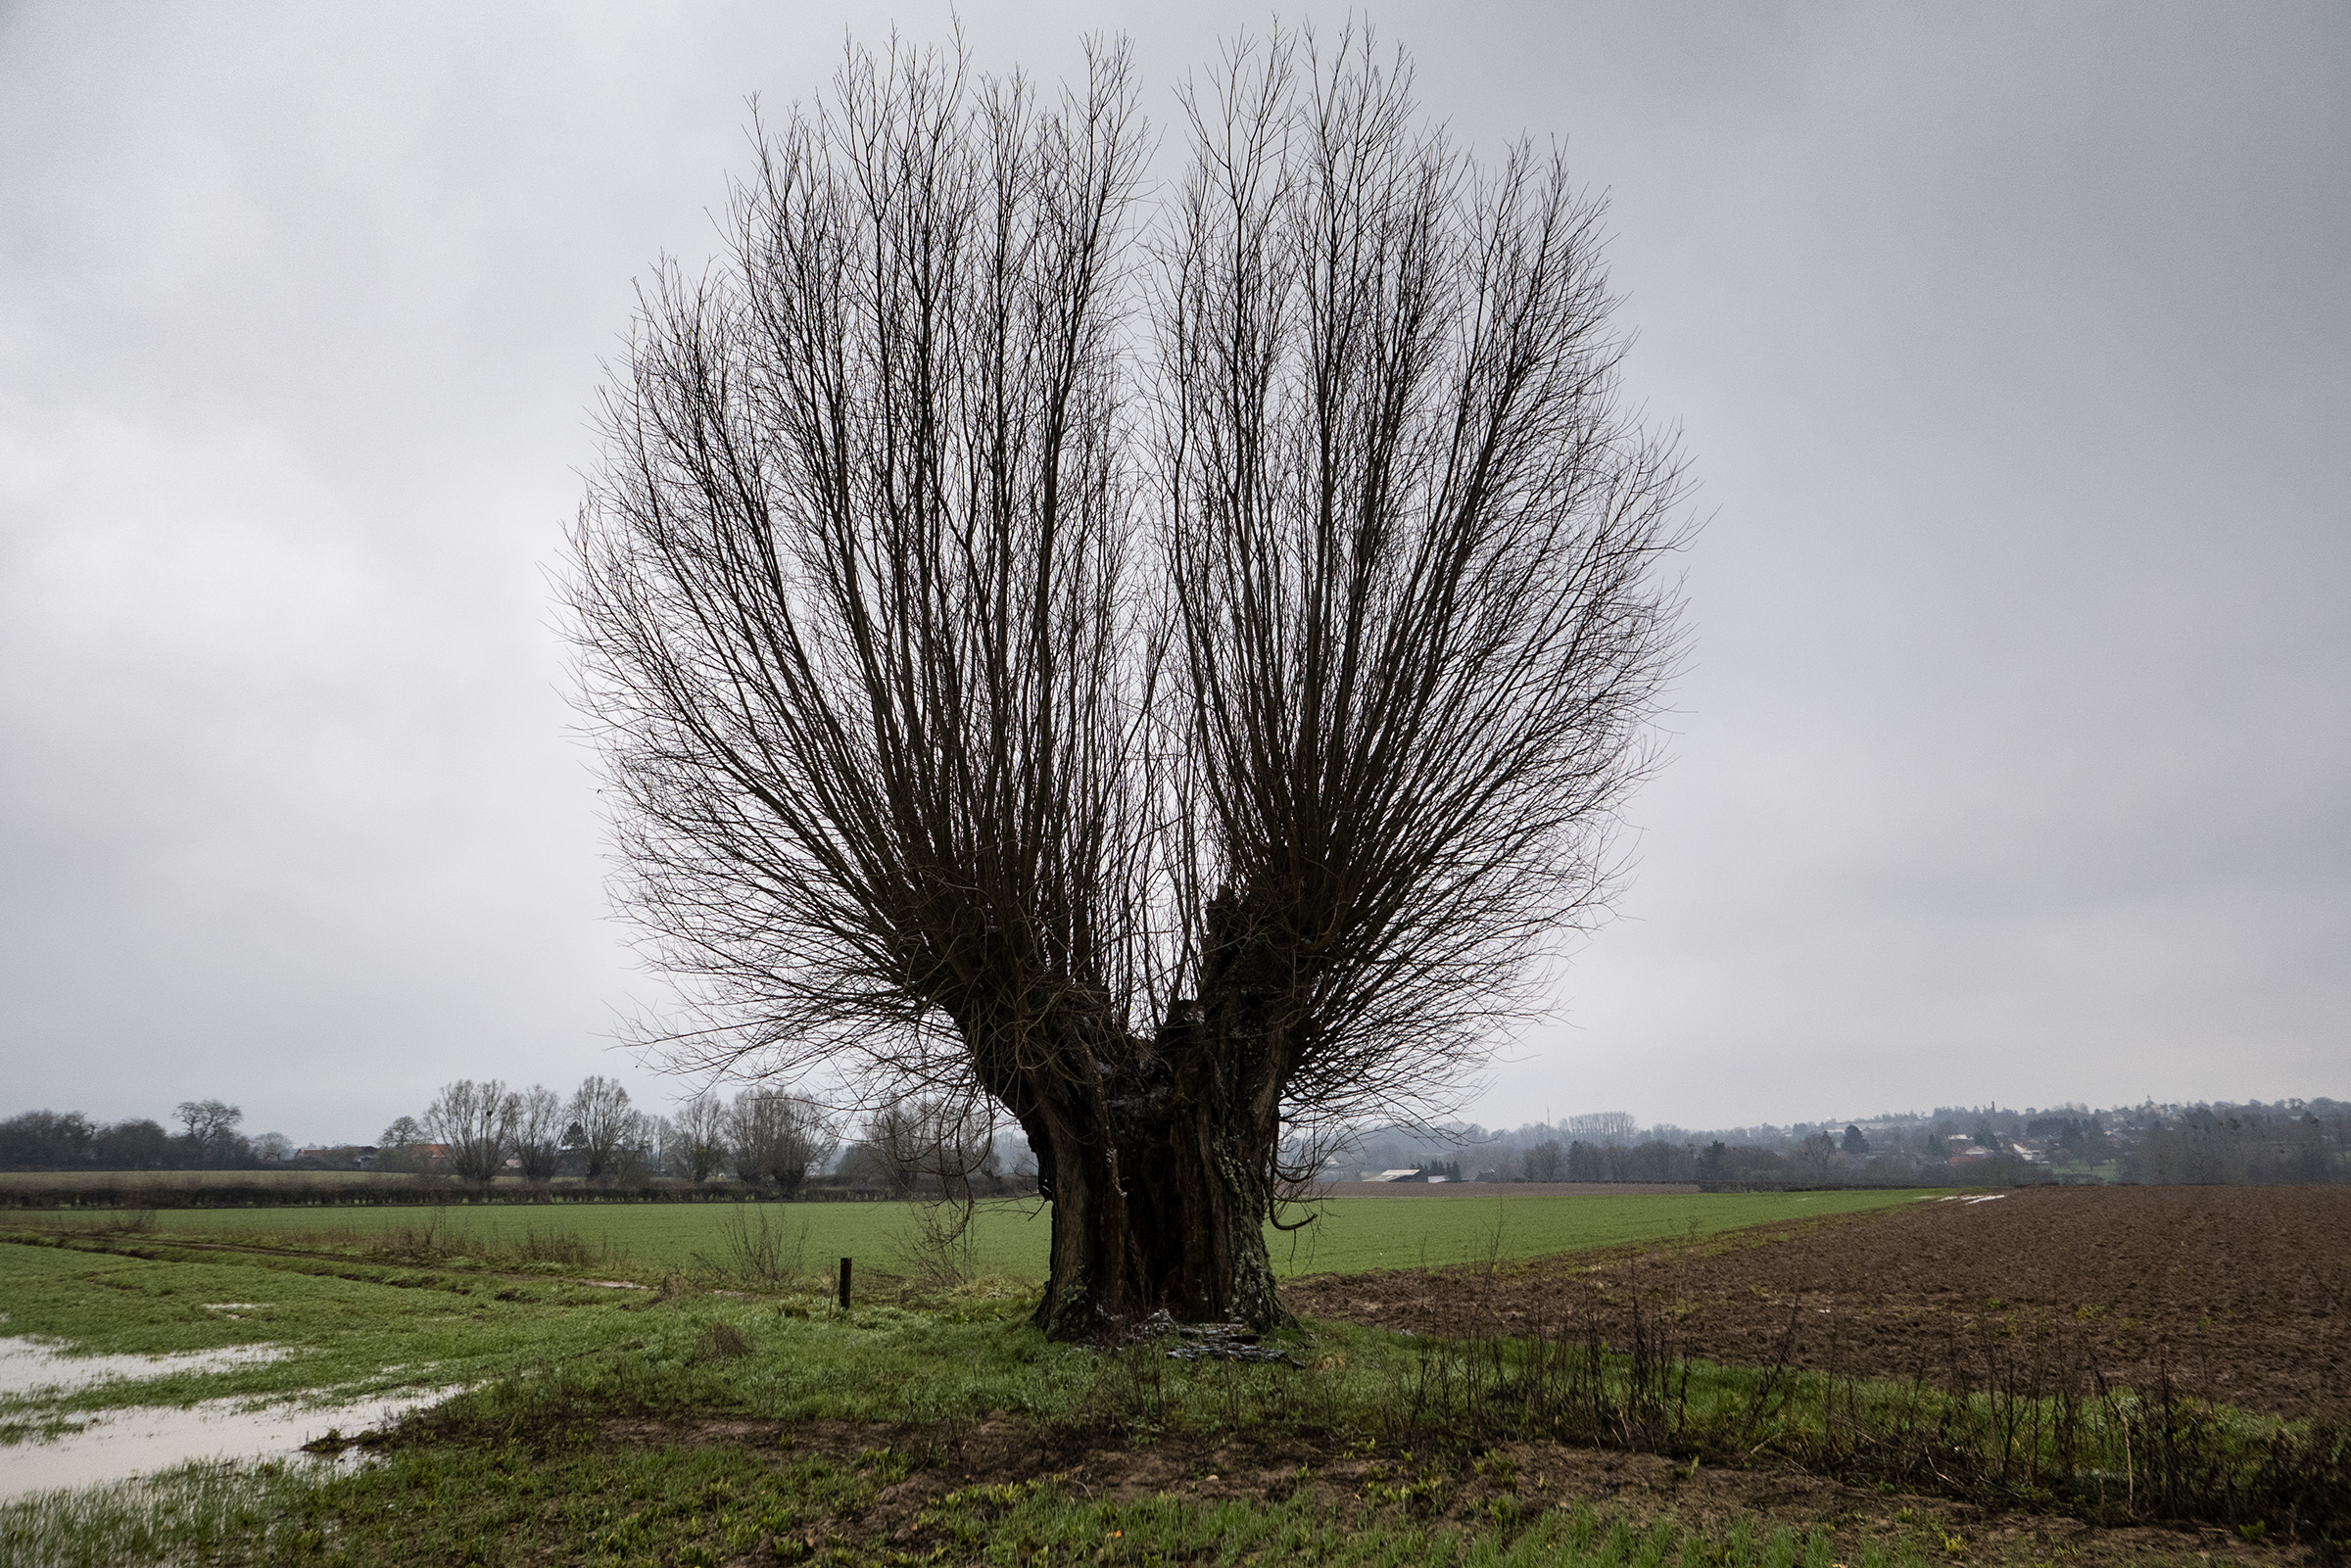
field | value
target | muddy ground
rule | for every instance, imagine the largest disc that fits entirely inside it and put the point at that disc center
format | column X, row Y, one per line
column 2238, row 1294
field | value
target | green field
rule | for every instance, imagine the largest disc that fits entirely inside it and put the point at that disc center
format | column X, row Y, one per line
column 516, row 1471
column 1349, row 1235
column 712, row 1421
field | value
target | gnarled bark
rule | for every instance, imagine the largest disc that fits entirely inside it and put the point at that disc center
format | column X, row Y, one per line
column 1160, row 1182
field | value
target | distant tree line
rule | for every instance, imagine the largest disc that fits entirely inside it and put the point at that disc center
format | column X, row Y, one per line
column 480, row 1132
column 762, row 1138
column 2232, row 1145
column 2292, row 1141
column 783, row 1145
column 208, row 1139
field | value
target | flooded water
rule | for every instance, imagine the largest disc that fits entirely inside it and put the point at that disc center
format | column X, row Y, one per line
column 28, row 1366
column 121, row 1444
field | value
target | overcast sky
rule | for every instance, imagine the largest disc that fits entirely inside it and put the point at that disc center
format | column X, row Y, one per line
column 2012, row 348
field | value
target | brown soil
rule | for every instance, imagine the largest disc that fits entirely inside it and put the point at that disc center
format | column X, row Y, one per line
column 1642, row 1488
column 2238, row 1294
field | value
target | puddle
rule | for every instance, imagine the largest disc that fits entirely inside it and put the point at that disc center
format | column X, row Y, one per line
column 122, row 1444
column 28, row 1366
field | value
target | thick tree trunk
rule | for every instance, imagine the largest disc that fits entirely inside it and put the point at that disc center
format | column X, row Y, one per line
column 1160, row 1187
column 1158, row 1155
column 1165, row 1214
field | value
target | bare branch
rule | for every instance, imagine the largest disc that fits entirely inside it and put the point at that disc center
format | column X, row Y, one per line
column 1166, row 745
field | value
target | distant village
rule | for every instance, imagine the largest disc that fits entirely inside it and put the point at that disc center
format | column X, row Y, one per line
column 2290, row 1141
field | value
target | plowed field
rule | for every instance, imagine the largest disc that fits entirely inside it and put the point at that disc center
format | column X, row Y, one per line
column 2238, row 1294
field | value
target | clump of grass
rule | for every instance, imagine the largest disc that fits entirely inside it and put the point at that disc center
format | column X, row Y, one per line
column 757, row 1250
column 721, row 1341
column 936, row 1243
column 565, row 1249
column 433, row 1239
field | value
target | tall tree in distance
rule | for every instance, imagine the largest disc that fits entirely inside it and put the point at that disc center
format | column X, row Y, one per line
column 777, row 1137
column 603, row 1129
column 477, row 1122
column 698, row 1141
column 212, row 1137
column 1176, row 689
column 539, row 1124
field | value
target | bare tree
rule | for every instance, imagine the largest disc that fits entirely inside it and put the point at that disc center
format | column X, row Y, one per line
column 1168, row 735
column 1814, row 1161
column 399, row 1146
column 539, row 1125
column 698, row 1142
column 603, row 1127
column 935, row 1143
column 477, row 1122
column 893, row 1149
column 1603, row 1126
column 778, row 1138
column 211, row 1134
column 1545, row 1162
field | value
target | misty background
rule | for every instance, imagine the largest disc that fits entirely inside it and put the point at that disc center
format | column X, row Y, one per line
column 2012, row 350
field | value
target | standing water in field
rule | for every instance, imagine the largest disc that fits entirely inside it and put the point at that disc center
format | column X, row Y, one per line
column 120, row 1444
column 28, row 1366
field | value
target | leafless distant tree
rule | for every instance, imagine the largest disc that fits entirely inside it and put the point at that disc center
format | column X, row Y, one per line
column 1603, row 1126
column 698, row 1141
column 477, row 1122
column 1172, row 689
column 603, row 1127
column 398, row 1146
column 891, row 1146
column 1545, row 1162
column 1814, row 1161
column 778, row 1138
column 938, row 1144
column 210, row 1133
column 538, row 1123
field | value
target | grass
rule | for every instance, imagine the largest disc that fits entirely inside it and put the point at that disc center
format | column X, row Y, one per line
column 345, row 1337
column 1010, row 1237
column 672, row 1505
column 528, row 1466
column 1355, row 1235
column 686, row 1425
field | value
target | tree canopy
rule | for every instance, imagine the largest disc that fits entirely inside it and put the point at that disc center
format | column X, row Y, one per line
column 1163, row 669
